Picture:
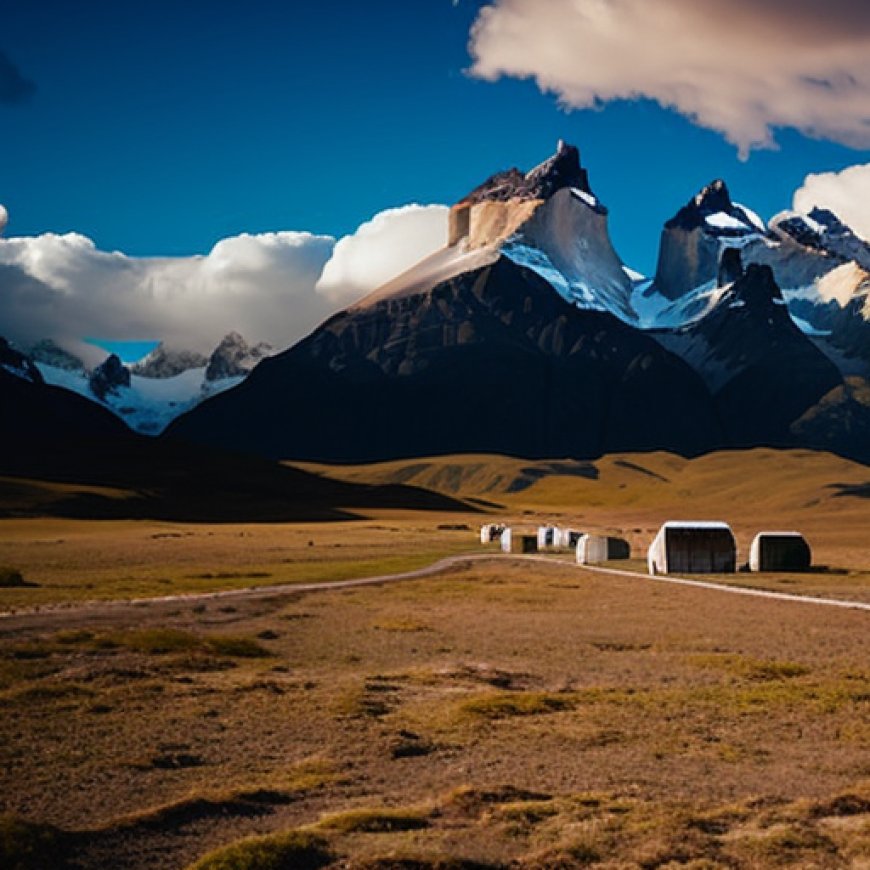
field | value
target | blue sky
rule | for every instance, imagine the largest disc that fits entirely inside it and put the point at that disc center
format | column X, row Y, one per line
column 159, row 128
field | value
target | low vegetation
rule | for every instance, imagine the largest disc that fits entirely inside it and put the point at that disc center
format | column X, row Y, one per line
column 503, row 705
column 12, row 578
column 495, row 715
column 374, row 821
column 299, row 850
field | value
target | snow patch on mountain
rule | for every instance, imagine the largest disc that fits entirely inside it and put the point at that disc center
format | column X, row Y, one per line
column 538, row 262
column 656, row 311
column 148, row 405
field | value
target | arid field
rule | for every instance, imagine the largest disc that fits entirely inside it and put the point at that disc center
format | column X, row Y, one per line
column 499, row 713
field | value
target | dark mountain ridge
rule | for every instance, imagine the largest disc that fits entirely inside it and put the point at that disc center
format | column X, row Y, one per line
column 492, row 361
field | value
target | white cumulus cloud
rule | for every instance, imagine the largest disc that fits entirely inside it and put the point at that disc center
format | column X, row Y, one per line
column 845, row 193
column 273, row 287
column 4, row 218
column 743, row 68
column 382, row 248
column 63, row 287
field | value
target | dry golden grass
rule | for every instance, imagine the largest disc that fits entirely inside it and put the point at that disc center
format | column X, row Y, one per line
column 542, row 716
column 631, row 495
column 530, row 715
column 77, row 560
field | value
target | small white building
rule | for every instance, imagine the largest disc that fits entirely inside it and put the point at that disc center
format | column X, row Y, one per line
column 780, row 551
column 593, row 549
column 518, row 541
column 547, row 537
column 491, row 532
column 567, row 538
column 693, row 548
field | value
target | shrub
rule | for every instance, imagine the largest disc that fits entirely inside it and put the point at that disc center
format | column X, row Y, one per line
column 12, row 578
column 505, row 704
column 294, row 850
column 375, row 821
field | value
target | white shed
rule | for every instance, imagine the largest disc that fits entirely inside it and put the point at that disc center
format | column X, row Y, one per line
column 567, row 538
column 592, row 549
column 693, row 548
column 518, row 541
column 491, row 532
column 780, row 551
column 547, row 537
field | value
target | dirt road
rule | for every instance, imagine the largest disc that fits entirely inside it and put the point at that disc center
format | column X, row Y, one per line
column 66, row 614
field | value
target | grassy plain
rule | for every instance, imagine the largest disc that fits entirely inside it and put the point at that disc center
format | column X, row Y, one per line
column 499, row 714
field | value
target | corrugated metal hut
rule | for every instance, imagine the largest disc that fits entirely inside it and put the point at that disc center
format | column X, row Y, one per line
column 567, row 539
column 693, row 548
column 600, row 548
column 491, row 532
column 780, row 551
column 518, row 541
column 547, row 537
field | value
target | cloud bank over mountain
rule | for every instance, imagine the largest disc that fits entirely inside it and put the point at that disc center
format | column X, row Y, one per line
column 387, row 245
column 273, row 287
column 742, row 68
column 845, row 193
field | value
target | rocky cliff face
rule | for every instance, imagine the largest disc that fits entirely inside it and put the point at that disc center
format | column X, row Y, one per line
column 164, row 362
column 546, row 220
column 763, row 372
column 52, row 354
column 234, row 357
column 18, row 364
column 108, row 377
column 693, row 240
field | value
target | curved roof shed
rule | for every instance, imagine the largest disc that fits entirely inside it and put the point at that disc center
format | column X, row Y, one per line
column 592, row 549
column 780, row 551
column 700, row 547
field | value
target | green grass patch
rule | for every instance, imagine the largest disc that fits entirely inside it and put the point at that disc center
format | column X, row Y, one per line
column 749, row 668
column 502, row 705
column 26, row 846
column 375, row 821
column 299, row 850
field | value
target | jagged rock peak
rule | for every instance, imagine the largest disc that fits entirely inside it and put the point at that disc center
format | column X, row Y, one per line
column 561, row 170
column 17, row 363
column 822, row 230
column 757, row 288
column 109, row 376
column 234, row 357
column 713, row 210
column 52, row 354
column 165, row 363
column 713, row 199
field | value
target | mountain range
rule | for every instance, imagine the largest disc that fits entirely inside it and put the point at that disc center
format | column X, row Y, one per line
column 153, row 391
column 526, row 334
